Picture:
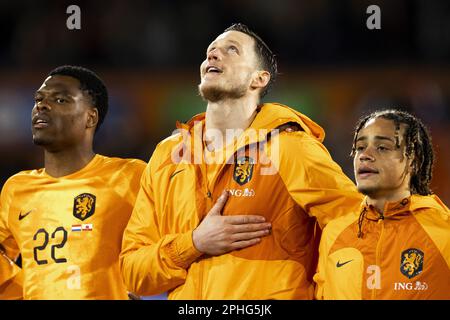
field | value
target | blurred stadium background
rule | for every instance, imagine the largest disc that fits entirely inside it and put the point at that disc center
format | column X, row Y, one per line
column 332, row 67
column 148, row 52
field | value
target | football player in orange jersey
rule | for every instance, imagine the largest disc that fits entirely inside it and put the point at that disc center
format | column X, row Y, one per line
column 397, row 245
column 67, row 218
column 186, row 236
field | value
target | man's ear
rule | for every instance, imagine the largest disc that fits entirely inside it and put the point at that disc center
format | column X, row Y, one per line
column 261, row 80
column 92, row 118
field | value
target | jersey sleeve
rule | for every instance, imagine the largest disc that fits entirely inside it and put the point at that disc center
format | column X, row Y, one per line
column 315, row 182
column 5, row 199
column 10, row 273
column 12, row 289
column 134, row 173
column 150, row 263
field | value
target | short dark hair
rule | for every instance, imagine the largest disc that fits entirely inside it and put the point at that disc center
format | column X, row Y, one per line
column 265, row 55
column 418, row 144
column 90, row 83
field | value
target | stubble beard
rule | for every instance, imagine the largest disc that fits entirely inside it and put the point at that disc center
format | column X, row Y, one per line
column 369, row 191
column 40, row 141
column 215, row 93
column 43, row 140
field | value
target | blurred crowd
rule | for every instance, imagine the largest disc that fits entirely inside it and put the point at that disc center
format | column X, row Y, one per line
column 331, row 66
column 161, row 34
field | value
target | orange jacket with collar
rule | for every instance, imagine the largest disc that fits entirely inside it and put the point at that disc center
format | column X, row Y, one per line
column 402, row 254
column 306, row 186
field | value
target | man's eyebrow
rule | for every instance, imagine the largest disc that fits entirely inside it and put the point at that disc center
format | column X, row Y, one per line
column 361, row 138
column 384, row 138
column 228, row 41
column 376, row 138
column 54, row 92
column 235, row 42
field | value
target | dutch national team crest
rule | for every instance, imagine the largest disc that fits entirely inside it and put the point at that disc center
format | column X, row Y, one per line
column 411, row 262
column 243, row 170
column 84, row 206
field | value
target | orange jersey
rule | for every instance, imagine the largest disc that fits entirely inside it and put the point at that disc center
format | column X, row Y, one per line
column 10, row 273
column 69, row 229
column 404, row 256
column 293, row 188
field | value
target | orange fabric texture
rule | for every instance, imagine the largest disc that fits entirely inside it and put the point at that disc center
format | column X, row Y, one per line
column 406, row 255
column 10, row 275
column 305, row 187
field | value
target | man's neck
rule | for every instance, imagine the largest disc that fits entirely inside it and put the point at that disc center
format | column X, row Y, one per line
column 63, row 163
column 236, row 115
column 379, row 202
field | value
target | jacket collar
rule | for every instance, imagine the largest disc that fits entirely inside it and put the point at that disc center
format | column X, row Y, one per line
column 269, row 117
column 405, row 206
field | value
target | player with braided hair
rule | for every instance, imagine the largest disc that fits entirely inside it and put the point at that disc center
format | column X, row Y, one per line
column 398, row 245
column 417, row 141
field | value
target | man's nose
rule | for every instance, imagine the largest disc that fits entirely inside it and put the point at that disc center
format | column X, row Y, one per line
column 367, row 155
column 42, row 105
column 214, row 54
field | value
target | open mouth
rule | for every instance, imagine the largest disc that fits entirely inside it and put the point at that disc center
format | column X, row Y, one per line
column 213, row 69
column 40, row 122
column 367, row 171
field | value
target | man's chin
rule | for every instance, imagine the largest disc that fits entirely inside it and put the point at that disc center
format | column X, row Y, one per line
column 368, row 190
column 213, row 93
column 40, row 141
column 210, row 93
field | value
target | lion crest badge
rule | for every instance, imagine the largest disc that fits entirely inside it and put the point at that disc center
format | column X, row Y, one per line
column 84, row 206
column 243, row 170
column 411, row 262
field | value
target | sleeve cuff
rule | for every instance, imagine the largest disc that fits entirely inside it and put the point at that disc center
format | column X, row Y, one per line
column 182, row 250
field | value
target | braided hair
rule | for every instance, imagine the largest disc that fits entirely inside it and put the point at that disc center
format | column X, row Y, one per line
column 418, row 146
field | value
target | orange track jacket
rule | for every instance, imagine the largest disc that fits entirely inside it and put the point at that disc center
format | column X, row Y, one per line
column 306, row 186
column 404, row 255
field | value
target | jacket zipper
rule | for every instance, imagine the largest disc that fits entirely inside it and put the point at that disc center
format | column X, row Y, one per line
column 209, row 205
column 378, row 253
column 200, row 282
